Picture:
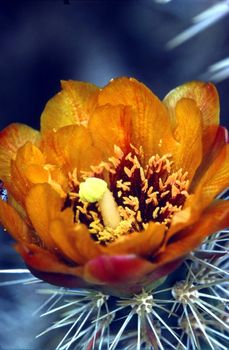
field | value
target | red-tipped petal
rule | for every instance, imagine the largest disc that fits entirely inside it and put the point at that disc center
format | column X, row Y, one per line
column 116, row 269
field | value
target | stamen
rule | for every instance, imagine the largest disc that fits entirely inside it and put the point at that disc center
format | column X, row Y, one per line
column 137, row 194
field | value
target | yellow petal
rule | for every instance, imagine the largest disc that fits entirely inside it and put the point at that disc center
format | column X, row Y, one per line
column 11, row 139
column 43, row 204
column 73, row 105
column 150, row 122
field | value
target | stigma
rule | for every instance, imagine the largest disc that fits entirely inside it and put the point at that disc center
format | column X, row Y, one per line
column 96, row 190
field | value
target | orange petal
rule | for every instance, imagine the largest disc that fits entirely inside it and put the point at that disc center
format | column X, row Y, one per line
column 64, row 240
column 26, row 168
column 216, row 178
column 57, row 174
column 19, row 185
column 57, row 179
column 220, row 141
column 190, row 213
column 11, row 139
column 70, row 147
column 36, row 174
column 206, row 97
column 204, row 94
column 84, row 244
column 29, row 154
column 13, row 223
column 43, row 204
column 43, row 260
column 109, row 126
column 150, row 123
column 73, row 105
column 213, row 219
column 188, row 133
column 72, row 239
column 19, row 209
column 91, row 156
column 214, row 138
column 187, row 216
column 143, row 243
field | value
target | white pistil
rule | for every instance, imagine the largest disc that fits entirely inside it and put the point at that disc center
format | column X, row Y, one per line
column 96, row 190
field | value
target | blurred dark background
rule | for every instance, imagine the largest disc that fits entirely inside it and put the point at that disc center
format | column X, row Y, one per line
column 44, row 41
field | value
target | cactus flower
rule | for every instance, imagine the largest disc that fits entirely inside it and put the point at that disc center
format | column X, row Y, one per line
column 118, row 187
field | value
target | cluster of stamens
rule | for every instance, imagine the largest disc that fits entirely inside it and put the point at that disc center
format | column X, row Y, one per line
column 143, row 191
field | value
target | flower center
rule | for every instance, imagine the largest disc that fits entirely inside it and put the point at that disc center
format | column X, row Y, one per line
column 139, row 193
